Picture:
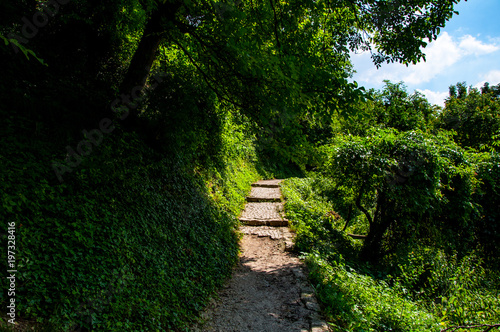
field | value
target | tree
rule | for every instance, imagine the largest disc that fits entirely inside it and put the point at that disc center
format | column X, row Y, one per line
column 393, row 107
column 408, row 185
column 264, row 58
column 474, row 115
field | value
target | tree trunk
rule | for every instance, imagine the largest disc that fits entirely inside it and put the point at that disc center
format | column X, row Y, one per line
column 140, row 65
column 372, row 247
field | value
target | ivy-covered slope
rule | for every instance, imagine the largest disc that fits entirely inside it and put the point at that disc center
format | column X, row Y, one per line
column 130, row 241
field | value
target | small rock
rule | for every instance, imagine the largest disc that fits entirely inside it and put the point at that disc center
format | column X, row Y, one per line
column 306, row 297
column 319, row 326
column 299, row 274
column 313, row 305
column 306, row 288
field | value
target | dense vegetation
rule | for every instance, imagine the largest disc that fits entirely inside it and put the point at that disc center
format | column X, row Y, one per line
column 399, row 224
column 90, row 249
column 132, row 130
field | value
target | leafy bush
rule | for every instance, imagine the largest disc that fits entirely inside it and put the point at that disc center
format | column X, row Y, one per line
column 408, row 185
column 357, row 302
column 352, row 298
column 460, row 291
column 308, row 204
column 487, row 196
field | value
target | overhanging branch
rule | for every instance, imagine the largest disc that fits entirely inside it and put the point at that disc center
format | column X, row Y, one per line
column 360, row 207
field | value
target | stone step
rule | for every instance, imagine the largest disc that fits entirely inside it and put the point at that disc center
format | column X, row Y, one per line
column 264, row 194
column 275, row 233
column 264, row 206
column 265, row 185
column 263, row 199
column 264, row 222
column 262, row 211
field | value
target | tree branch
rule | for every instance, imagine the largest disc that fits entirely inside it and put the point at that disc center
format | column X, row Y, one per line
column 377, row 208
column 348, row 218
column 275, row 25
column 360, row 207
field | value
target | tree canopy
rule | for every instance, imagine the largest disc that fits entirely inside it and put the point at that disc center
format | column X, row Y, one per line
column 256, row 55
column 263, row 54
column 283, row 64
column 473, row 115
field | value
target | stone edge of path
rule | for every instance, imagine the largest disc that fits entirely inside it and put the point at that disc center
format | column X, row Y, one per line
column 308, row 298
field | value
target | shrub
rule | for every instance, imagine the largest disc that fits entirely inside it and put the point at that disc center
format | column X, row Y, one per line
column 423, row 288
column 356, row 302
column 488, row 198
column 407, row 185
column 352, row 298
column 460, row 291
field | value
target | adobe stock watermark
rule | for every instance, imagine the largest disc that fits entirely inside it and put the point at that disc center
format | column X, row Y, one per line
column 40, row 19
column 93, row 138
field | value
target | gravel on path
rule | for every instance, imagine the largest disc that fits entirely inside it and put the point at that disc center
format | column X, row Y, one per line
column 266, row 293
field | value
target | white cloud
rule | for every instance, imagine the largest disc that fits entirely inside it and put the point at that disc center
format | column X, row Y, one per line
column 492, row 77
column 434, row 97
column 470, row 45
column 441, row 55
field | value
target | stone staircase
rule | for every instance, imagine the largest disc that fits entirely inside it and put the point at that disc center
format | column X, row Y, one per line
column 265, row 206
column 264, row 213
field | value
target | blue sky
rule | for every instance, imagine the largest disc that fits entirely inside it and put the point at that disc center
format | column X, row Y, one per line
column 467, row 49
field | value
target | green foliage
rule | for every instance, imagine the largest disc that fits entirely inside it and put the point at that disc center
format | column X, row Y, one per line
column 130, row 217
column 353, row 299
column 229, row 185
column 357, row 302
column 88, row 250
column 393, row 107
column 421, row 288
column 399, row 30
column 181, row 117
column 402, row 111
column 316, row 224
column 459, row 291
column 27, row 52
column 473, row 115
column 407, row 182
column 487, row 196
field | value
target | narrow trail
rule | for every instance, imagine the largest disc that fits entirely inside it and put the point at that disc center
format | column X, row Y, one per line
column 269, row 290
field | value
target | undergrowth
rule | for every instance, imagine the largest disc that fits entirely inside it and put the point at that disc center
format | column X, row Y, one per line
column 427, row 289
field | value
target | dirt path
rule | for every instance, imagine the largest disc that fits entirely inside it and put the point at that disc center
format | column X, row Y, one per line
column 268, row 290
